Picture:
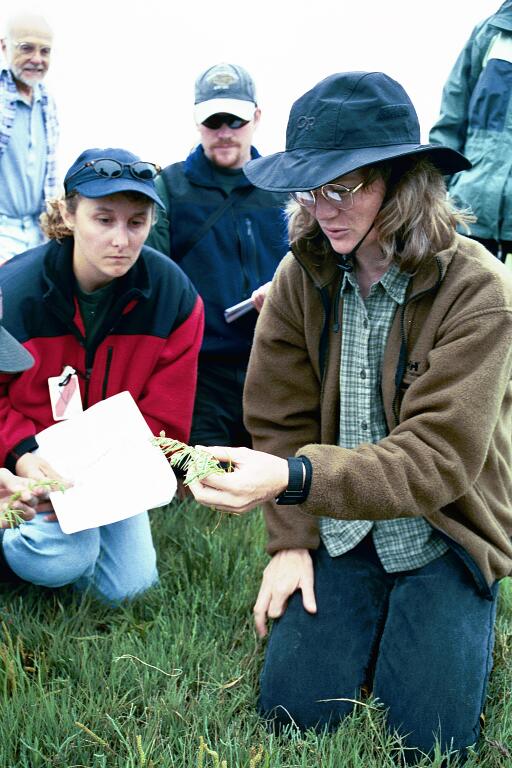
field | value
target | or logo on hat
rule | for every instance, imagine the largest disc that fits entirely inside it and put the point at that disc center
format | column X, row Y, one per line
column 305, row 122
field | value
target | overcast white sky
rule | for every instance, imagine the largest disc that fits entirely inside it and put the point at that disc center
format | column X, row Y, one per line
column 123, row 72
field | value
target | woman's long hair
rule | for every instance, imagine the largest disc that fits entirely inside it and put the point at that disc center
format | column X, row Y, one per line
column 416, row 220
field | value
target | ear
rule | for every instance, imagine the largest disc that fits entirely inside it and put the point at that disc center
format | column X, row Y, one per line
column 67, row 217
column 4, row 46
column 257, row 115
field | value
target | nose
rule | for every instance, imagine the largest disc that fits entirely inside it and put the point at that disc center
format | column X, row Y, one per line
column 323, row 208
column 120, row 237
column 225, row 132
column 37, row 58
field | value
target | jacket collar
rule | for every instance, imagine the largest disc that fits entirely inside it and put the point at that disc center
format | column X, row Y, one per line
column 200, row 170
column 325, row 271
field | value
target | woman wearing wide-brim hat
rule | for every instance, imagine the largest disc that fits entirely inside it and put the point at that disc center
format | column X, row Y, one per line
column 381, row 367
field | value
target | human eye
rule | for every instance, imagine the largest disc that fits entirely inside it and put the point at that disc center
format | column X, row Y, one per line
column 46, row 52
column 337, row 192
column 103, row 219
column 138, row 221
column 26, row 48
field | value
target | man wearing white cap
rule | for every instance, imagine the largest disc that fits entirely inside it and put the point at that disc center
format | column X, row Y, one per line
column 227, row 236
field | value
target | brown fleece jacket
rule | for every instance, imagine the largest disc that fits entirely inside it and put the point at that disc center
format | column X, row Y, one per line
column 447, row 396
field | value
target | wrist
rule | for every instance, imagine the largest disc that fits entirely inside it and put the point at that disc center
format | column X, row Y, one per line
column 299, row 481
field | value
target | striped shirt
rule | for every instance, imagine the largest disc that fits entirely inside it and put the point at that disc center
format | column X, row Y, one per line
column 403, row 543
column 9, row 105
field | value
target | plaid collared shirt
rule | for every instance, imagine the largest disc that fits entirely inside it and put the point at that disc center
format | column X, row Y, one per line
column 8, row 97
column 401, row 544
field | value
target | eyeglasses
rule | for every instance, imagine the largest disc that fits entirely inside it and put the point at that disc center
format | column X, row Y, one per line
column 336, row 194
column 214, row 122
column 28, row 49
column 112, row 169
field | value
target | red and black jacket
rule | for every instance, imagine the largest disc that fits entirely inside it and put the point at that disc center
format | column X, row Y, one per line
column 148, row 343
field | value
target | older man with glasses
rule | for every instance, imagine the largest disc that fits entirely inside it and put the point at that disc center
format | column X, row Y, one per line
column 28, row 134
column 228, row 236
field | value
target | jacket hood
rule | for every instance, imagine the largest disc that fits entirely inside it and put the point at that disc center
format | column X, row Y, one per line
column 503, row 16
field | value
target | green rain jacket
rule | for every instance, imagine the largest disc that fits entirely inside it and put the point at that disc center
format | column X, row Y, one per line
column 476, row 119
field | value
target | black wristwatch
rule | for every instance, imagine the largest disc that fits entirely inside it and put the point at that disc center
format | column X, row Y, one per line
column 299, row 481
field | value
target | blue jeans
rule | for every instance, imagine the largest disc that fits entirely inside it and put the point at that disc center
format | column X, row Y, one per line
column 18, row 235
column 114, row 562
column 422, row 639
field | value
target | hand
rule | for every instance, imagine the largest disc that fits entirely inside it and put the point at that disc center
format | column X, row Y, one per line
column 288, row 571
column 36, row 468
column 255, row 477
column 25, row 505
column 258, row 296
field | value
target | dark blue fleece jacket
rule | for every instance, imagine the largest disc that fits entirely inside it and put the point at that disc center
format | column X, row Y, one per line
column 239, row 252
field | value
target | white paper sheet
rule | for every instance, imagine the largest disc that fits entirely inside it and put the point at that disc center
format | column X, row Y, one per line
column 107, row 452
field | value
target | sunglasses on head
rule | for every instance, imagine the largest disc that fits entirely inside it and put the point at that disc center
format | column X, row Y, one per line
column 221, row 118
column 112, row 169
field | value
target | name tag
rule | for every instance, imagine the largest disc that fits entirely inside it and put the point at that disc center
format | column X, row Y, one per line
column 65, row 395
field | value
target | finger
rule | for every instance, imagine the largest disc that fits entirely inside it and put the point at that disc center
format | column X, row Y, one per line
column 308, row 596
column 44, row 506
column 52, row 518
column 220, row 452
column 51, row 474
column 260, row 612
column 210, row 497
column 278, row 603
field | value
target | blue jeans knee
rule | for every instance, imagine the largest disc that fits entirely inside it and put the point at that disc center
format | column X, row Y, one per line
column 41, row 554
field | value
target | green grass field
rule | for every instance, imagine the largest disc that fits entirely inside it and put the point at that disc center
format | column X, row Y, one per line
column 172, row 679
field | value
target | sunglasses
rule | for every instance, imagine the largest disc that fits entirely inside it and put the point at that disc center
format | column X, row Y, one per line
column 112, row 169
column 214, row 122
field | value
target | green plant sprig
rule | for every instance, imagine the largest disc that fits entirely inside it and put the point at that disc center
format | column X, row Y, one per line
column 195, row 463
column 11, row 514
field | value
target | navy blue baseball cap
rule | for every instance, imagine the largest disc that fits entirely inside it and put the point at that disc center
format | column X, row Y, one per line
column 347, row 121
column 101, row 172
column 224, row 88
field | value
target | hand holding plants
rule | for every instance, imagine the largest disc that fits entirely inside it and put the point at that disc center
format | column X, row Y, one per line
column 254, row 477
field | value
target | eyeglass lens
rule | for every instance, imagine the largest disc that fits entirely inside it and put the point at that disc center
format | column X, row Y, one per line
column 338, row 195
column 214, row 122
column 28, row 49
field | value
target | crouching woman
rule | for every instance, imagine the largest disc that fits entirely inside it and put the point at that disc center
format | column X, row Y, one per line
column 123, row 317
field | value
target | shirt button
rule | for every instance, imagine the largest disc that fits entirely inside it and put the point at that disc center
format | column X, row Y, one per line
column 363, row 374
column 364, row 425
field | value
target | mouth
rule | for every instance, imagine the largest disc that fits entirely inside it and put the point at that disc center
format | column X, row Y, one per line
column 338, row 232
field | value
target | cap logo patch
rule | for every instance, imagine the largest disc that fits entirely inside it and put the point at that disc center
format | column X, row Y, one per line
column 222, row 80
column 305, row 122
column 394, row 112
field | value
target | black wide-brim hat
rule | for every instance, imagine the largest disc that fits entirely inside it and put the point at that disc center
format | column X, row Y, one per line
column 347, row 121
